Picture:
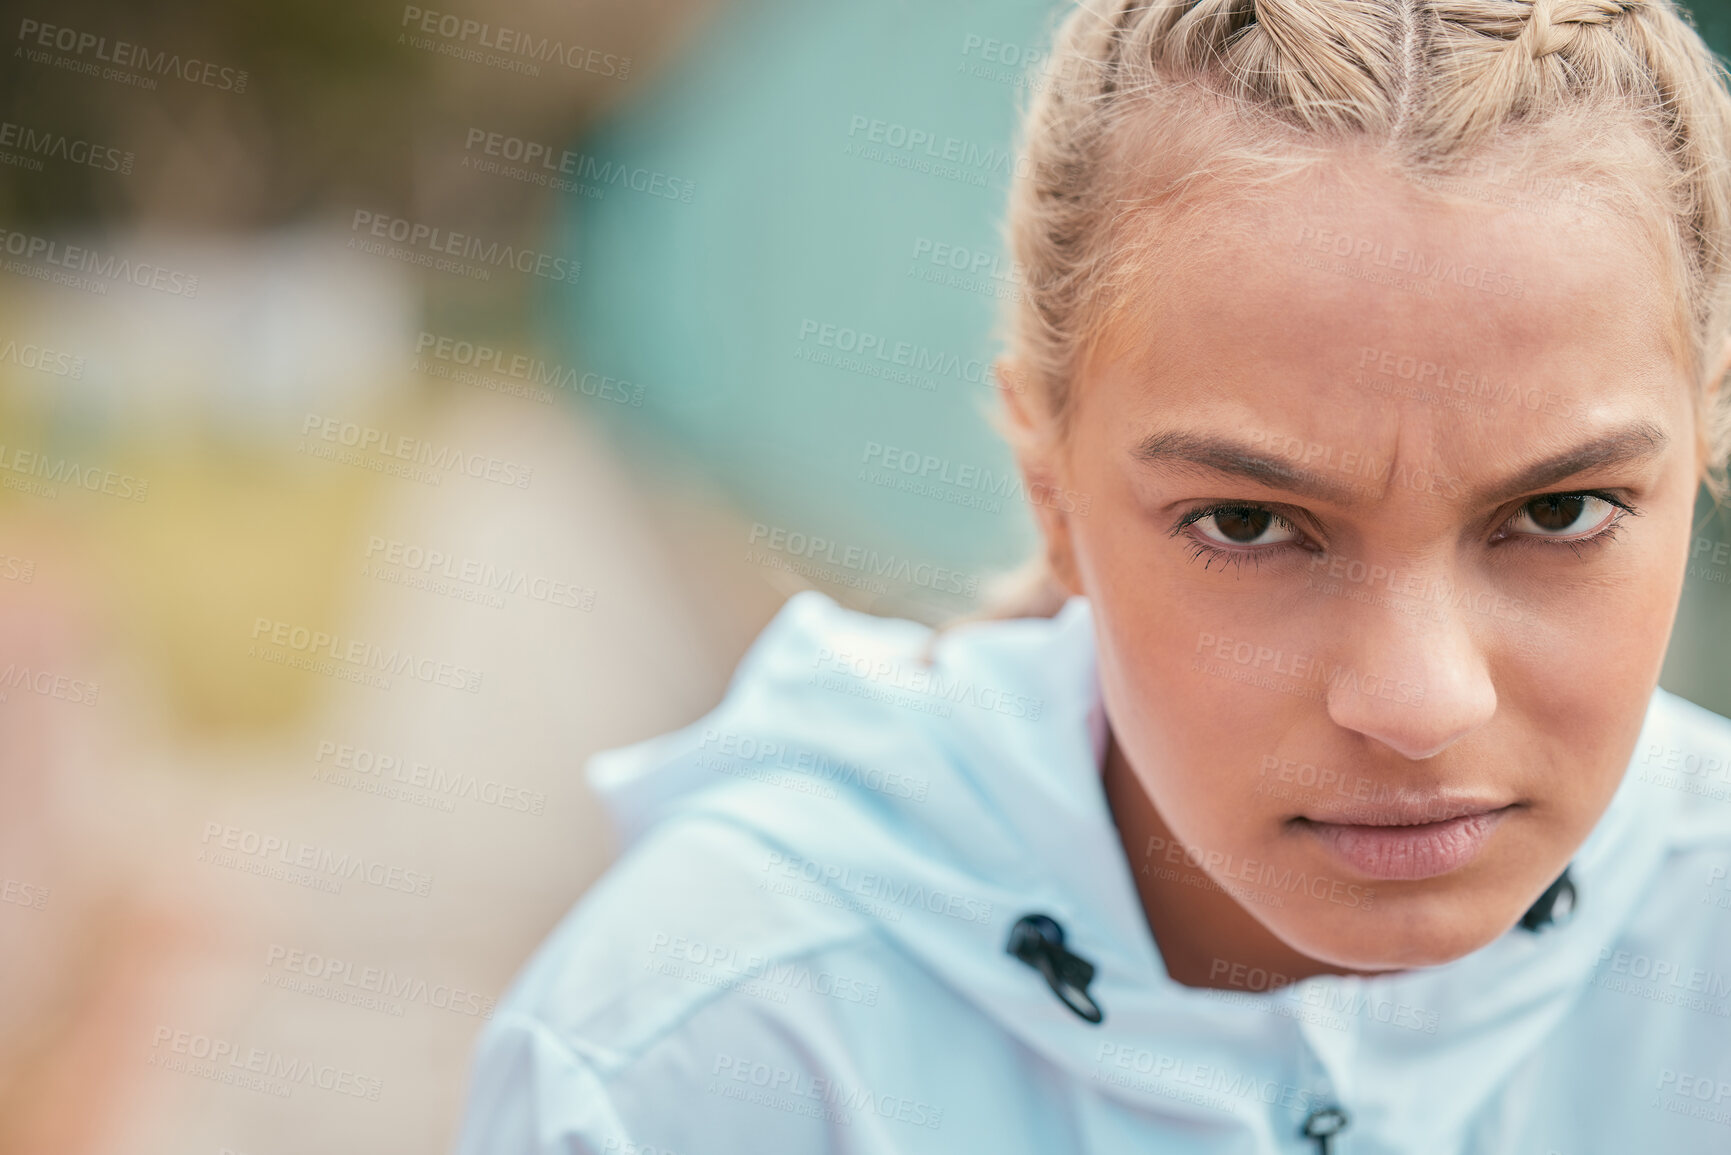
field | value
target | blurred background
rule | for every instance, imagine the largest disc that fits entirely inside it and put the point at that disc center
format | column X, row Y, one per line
column 400, row 403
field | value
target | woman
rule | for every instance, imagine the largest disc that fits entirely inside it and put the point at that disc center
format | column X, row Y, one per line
column 1320, row 797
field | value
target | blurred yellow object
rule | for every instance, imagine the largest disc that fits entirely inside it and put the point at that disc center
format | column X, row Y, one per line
column 229, row 534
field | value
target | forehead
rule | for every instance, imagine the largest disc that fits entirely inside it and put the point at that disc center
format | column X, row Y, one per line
column 1355, row 302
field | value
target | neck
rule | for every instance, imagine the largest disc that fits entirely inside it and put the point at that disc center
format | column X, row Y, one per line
column 1206, row 938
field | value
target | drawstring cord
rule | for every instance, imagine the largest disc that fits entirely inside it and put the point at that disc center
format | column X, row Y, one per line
column 1038, row 940
column 1552, row 908
column 1322, row 1125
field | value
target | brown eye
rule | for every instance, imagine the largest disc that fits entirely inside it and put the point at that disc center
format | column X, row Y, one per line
column 1568, row 515
column 1557, row 513
column 1242, row 525
column 1245, row 525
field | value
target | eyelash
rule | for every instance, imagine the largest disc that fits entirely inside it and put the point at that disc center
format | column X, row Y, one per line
column 1208, row 552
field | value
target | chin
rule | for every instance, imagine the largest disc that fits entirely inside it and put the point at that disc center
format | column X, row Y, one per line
column 1398, row 936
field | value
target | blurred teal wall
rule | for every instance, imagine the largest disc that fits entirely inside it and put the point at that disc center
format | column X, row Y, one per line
column 798, row 219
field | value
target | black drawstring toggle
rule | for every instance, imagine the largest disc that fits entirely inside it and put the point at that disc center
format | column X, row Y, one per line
column 1038, row 940
column 1553, row 907
column 1323, row 1124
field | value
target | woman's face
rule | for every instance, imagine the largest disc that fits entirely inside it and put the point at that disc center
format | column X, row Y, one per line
column 1388, row 511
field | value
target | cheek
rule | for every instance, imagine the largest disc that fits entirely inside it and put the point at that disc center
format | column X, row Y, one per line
column 1195, row 731
column 1575, row 677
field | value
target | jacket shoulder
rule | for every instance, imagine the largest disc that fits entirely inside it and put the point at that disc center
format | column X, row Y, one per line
column 1685, row 756
column 684, row 978
column 690, row 915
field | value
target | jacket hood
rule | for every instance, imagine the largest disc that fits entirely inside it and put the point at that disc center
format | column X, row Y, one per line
column 941, row 804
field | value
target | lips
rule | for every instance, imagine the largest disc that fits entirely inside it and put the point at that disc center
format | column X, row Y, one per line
column 1409, row 842
column 1406, row 810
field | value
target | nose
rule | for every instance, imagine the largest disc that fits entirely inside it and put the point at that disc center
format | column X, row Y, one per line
column 1417, row 683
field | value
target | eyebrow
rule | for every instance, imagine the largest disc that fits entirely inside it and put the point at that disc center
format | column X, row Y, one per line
column 1194, row 452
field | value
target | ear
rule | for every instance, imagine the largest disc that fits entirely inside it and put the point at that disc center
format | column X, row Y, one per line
column 1033, row 437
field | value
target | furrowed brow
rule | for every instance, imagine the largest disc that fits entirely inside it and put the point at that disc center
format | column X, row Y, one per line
column 1630, row 445
column 1193, row 452
column 1198, row 453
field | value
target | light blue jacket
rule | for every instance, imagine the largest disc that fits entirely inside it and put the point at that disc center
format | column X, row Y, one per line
column 802, row 949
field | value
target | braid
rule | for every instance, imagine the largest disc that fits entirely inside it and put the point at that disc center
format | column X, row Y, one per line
column 1504, row 63
column 1554, row 25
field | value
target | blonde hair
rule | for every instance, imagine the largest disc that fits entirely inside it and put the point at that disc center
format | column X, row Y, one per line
column 1142, row 102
